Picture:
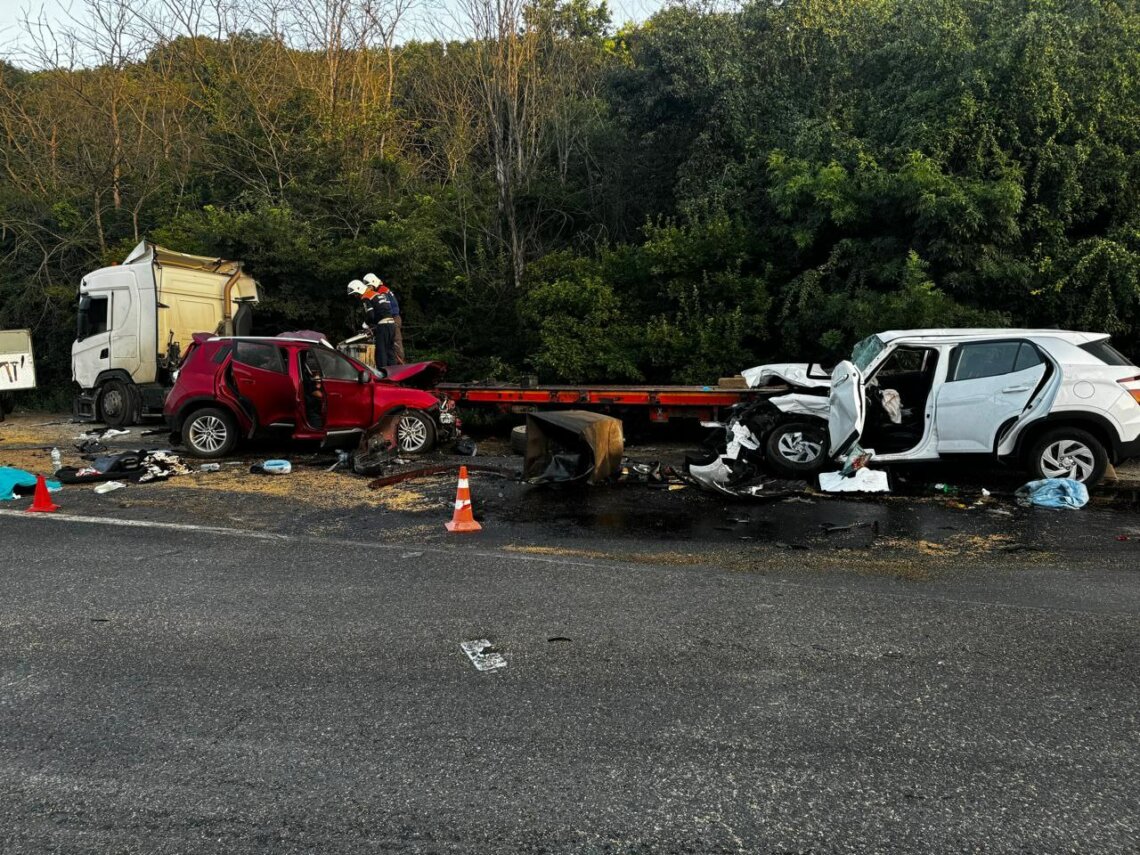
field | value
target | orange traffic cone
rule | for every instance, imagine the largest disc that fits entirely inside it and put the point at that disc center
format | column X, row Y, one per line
column 462, row 519
column 42, row 502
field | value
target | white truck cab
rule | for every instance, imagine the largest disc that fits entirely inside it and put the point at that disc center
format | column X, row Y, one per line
column 135, row 320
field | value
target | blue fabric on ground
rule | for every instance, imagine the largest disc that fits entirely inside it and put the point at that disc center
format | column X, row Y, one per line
column 1054, row 493
column 11, row 478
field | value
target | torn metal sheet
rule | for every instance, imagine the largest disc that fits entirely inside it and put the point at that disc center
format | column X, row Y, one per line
column 807, row 375
column 483, row 655
column 800, row 404
column 742, row 438
column 572, row 445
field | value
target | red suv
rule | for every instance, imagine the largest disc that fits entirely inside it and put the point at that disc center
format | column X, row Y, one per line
column 232, row 388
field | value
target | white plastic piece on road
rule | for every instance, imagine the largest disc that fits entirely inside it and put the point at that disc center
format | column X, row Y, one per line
column 113, row 432
column 489, row 661
column 110, row 486
column 863, row 481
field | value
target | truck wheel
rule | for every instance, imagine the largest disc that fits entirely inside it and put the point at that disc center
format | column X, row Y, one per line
column 1068, row 452
column 415, row 433
column 118, row 404
column 797, row 449
column 210, row 433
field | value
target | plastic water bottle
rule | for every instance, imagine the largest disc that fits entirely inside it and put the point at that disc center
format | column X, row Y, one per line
column 56, row 461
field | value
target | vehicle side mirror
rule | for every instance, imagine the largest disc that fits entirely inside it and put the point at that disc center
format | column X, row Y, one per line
column 362, row 377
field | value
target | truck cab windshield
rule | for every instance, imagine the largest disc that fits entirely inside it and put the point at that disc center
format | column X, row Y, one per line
column 92, row 316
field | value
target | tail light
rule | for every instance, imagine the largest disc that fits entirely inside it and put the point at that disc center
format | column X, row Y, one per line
column 1132, row 387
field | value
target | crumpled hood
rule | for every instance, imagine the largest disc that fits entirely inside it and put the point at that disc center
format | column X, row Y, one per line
column 807, row 375
column 417, row 375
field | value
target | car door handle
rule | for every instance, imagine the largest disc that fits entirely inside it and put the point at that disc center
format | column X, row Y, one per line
column 1009, row 390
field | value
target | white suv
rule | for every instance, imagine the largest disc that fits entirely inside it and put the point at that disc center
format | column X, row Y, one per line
column 1064, row 404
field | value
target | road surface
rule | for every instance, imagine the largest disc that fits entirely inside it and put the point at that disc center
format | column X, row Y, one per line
column 170, row 689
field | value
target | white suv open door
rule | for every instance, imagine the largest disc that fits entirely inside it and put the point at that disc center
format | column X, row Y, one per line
column 847, row 408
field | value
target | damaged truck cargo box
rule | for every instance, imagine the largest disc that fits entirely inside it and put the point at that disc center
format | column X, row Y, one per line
column 572, row 445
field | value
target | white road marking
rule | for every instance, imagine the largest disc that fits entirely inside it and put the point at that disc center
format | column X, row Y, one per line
column 483, row 655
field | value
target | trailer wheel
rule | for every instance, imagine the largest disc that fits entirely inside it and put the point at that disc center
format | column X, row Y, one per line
column 518, row 439
column 118, row 404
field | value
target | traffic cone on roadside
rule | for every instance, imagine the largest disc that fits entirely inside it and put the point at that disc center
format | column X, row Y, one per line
column 463, row 519
column 41, row 501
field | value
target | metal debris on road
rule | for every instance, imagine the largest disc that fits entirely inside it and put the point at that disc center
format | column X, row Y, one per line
column 483, row 655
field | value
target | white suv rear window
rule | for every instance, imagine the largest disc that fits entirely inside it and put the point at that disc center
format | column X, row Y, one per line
column 1106, row 353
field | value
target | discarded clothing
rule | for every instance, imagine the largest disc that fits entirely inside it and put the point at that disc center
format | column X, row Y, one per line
column 862, row 481
column 140, row 466
column 18, row 482
column 1053, row 493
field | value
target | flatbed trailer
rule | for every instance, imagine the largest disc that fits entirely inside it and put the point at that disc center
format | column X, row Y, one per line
column 661, row 403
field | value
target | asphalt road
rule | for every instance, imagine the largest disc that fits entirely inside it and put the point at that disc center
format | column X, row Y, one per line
column 172, row 690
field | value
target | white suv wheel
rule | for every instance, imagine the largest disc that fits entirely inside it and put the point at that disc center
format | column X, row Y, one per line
column 1067, row 458
column 1069, row 452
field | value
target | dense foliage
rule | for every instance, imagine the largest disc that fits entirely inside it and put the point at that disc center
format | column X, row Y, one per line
column 672, row 201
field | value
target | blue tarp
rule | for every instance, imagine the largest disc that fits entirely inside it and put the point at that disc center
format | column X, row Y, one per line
column 11, row 478
column 1054, row 493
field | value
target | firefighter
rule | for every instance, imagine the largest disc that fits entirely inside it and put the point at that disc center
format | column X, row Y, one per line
column 378, row 319
column 377, row 284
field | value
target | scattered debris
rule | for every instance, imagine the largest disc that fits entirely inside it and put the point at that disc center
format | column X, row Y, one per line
column 109, row 487
column 1053, row 493
column 830, row 528
column 719, row 477
column 439, row 469
column 483, row 655
column 210, row 467
column 466, row 446
column 272, row 467
column 141, row 466
column 343, row 459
